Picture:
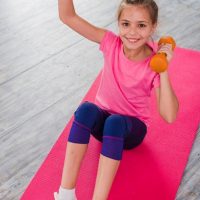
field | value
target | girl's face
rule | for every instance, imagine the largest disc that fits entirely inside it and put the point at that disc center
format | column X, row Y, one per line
column 135, row 26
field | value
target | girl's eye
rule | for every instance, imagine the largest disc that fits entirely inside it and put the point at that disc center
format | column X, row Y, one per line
column 125, row 24
column 141, row 25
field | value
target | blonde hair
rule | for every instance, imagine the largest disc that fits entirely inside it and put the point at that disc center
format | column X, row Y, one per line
column 150, row 5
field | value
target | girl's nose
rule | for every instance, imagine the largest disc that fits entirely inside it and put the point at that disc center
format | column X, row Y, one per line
column 133, row 31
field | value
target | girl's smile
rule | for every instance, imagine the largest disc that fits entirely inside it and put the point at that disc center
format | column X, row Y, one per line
column 132, row 40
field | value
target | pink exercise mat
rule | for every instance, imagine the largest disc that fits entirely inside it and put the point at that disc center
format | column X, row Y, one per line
column 151, row 171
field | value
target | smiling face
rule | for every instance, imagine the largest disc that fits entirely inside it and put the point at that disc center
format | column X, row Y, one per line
column 135, row 26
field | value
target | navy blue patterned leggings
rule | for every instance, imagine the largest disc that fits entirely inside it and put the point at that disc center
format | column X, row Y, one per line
column 115, row 131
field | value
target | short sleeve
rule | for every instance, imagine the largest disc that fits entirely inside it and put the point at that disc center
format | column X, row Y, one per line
column 108, row 41
column 156, row 81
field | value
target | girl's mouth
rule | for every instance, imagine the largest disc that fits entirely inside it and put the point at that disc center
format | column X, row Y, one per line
column 133, row 40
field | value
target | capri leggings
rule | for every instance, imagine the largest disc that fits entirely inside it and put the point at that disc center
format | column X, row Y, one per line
column 115, row 131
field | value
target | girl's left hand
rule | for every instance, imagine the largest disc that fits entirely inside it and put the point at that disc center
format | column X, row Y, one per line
column 166, row 48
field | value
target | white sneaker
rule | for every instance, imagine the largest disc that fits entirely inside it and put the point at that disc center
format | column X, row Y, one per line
column 56, row 196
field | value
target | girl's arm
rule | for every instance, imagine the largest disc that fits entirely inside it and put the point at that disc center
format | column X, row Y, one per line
column 166, row 98
column 69, row 17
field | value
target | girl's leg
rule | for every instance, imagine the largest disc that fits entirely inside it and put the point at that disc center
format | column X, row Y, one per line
column 73, row 158
column 107, row 170
column 86, row 116
column 136, row 132
column 120, row 132
column 112, row 148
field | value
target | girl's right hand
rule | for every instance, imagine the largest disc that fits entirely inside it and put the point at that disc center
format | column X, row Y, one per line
column 167, row 49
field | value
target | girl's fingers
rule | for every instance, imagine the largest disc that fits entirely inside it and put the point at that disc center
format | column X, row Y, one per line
column 167, row 49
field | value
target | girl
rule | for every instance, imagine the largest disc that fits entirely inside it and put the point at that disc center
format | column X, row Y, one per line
column 120, row 115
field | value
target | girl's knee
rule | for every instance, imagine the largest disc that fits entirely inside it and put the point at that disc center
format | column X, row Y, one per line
column 115, row 125
column 84, row 120
column 86, row 114
column 113, row 137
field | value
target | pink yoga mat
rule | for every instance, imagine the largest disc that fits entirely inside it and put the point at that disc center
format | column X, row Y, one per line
column 151, row 171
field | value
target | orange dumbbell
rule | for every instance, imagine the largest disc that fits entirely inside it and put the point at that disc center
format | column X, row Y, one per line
column 159, row 62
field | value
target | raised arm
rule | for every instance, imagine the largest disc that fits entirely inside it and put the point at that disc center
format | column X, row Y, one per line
column 69, row 17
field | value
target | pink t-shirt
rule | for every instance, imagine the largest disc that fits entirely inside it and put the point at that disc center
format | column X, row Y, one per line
column 126, row 85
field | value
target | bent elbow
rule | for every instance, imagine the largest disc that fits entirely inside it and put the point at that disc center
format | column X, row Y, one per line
column 67, row 18
column 170, row 119
column 63, row 19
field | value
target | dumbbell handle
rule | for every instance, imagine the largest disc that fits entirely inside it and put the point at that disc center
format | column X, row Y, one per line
column 159, row 61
